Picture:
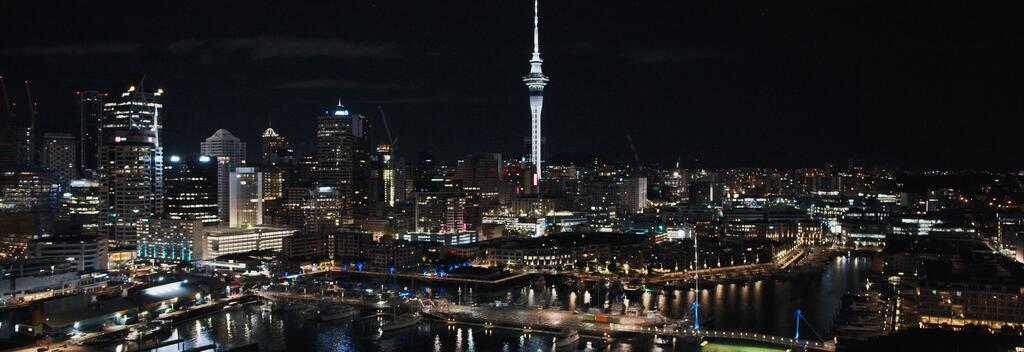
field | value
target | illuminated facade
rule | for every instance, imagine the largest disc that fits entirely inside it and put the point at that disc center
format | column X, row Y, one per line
column 799, row 231
column 246, row 197
column 535, row 82
column 218, row 241
column 169, row 240
column 448, row 238
column 229, row 152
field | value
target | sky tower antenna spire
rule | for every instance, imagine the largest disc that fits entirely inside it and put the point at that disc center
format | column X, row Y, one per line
column 535, row 82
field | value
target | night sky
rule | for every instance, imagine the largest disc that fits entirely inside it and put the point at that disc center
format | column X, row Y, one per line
column 765, row 83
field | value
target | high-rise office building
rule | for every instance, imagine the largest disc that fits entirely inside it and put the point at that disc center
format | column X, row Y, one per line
column 535, row 82
column 273, row 146
column 271, row 142
column 480, row 172
column 321, row 211
column 90, row 126
column 78, row 209
column 366, row 169
column 278, row 176
column 229, row 153
column 131, row 183
column 130, row 164
column 133, row 110
column 246, row 197
column 58, row 155
column 334, row 147
column 191, row 192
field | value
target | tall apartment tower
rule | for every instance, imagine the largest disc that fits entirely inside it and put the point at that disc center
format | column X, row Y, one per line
column 333, row 174
column 229, row 152
column 90, row 126
column 246, row 193
column 59, row 155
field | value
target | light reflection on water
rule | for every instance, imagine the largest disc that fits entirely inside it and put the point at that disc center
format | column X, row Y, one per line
column 731, row 305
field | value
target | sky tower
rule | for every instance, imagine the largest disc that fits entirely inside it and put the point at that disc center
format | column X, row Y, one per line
column 535, row 81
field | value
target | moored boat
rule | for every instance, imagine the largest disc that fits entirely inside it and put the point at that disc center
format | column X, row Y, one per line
column 401, row 322
column 567, row 339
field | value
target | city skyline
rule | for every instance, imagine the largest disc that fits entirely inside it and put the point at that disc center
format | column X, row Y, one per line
column 374, row 176
column 740, row 85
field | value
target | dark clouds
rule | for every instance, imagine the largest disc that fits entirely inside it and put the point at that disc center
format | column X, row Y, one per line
column 325, row 83
column 791, row 83
column 74, row 50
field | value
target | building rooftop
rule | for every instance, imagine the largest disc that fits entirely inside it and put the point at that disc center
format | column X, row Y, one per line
column 224, row 230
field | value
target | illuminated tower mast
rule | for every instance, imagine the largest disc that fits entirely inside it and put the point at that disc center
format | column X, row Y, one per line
column 535, row 81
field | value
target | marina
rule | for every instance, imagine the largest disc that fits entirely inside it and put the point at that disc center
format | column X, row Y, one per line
column 528, row 326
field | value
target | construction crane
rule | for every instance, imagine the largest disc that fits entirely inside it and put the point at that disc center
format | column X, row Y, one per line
column 391, row 141
column 636, row 156
column 31, row 107
column 7, row 102
column 30, row 137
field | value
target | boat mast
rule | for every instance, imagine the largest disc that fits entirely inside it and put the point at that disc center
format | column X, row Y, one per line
column 696, row 287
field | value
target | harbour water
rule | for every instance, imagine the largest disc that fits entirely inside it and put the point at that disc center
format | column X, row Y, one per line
column 764, row 306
